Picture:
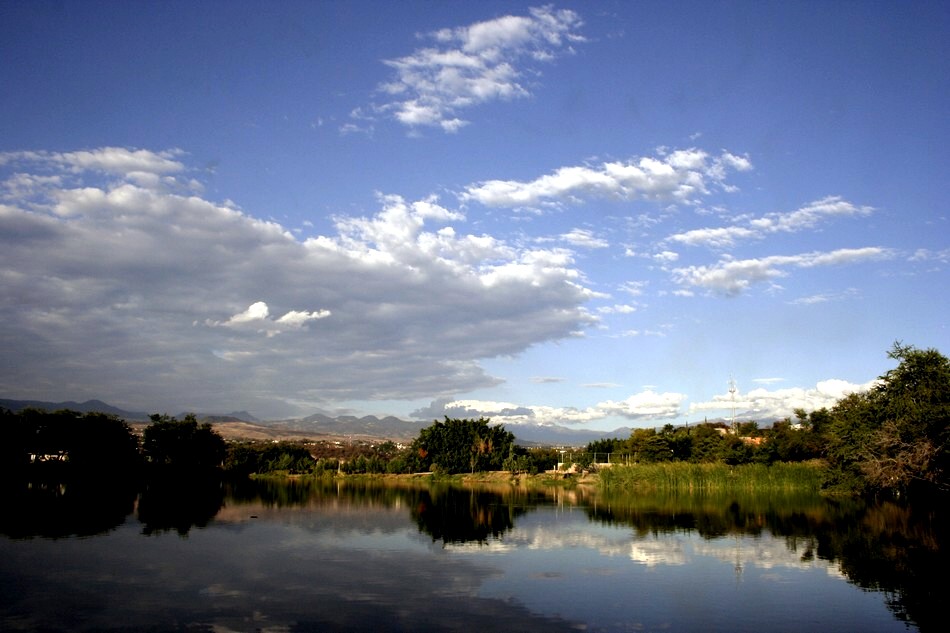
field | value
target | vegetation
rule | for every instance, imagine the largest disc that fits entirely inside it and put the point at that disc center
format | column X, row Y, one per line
column 893, row 439
column 459, row 446
column 66, row 443
column 709, row 477
column 182, row 445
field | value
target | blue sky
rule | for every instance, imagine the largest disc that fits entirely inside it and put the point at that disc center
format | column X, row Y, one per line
column 587, row 214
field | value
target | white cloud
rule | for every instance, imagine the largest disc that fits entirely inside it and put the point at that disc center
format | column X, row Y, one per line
column 666, row 257
column 256, row 312
column 632, row 333
column 648, row 405
column 257, row 318
column 634, row 288
column 722, row 237
column 764, row 404
column 927, row 255
column 683, row 176
column 104, row 282
column 474, row 64
column 111, row 160
column 806, row 217
column 619, row 308
column 767, row 381
column 825, row 297
column 584, row 238
column 731, row 277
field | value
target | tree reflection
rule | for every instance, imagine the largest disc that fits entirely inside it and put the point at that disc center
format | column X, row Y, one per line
column 455, row 515
column 59, row 509
column 179, row 504
column 897, row 549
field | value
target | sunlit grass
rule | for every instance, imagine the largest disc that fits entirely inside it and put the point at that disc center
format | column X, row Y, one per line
column 687, row 477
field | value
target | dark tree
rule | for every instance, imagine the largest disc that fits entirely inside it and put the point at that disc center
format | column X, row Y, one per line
column 182, row 444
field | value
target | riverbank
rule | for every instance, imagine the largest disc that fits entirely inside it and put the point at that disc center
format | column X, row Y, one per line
column 666, row 476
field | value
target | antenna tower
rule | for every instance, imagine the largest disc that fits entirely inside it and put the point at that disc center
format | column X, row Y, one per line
column 732, row 396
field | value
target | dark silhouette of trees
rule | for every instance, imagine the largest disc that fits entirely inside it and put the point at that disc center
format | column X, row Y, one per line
column 182, row 445
column 67, row 443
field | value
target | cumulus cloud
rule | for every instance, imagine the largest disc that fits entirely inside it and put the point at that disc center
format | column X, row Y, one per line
column 731, row 277
column 115, row 287
column 762, row 403
column 645, row 406
column 257, row 317
column 683, row 176
column 475, row 64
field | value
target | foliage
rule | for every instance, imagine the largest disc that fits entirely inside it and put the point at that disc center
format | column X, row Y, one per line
column 708, row 477
column 182, row 444
column 67, row 443
column 459, row 446
column 895, row 438
column 264, row 457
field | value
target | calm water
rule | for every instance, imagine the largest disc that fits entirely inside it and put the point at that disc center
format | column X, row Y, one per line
column 343, row 557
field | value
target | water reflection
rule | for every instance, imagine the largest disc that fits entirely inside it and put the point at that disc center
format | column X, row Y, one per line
column 360, row 538
column 55, row 509
column 886, row 547
column 177, row 504
column 454, row 515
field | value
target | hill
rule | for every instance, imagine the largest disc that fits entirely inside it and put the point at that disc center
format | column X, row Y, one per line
column 243, row 425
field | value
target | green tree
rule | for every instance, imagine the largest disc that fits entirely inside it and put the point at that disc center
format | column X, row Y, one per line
column 458, row 446
column 896, row 437
column 707, row 444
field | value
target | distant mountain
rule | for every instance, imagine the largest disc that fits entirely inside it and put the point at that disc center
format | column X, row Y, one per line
column 394, row 428
column 235, row 416
column 83, row 407
column 553, row 435
column 370, row 426
column 389, row 427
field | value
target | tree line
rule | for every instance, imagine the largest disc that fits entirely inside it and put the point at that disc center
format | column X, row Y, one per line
column 67, row 443
column 893, row 438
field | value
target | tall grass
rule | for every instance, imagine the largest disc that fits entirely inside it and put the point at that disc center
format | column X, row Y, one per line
column 687, row 477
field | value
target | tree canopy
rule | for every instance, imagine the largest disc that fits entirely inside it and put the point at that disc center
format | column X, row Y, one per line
column 459, row 446
column 182, row 444
column 896, row 436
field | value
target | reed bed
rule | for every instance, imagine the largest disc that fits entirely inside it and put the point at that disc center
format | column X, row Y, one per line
column 687, row 477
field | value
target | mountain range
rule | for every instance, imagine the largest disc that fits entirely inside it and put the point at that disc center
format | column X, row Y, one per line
column 242, row 423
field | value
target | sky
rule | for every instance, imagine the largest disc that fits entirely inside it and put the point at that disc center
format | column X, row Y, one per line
column 590, row 214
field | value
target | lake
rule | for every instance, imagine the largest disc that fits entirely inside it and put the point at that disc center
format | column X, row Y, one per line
column 288, row 556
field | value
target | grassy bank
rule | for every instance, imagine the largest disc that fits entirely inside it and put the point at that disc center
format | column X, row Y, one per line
column 664, row 477
column 686, row 477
